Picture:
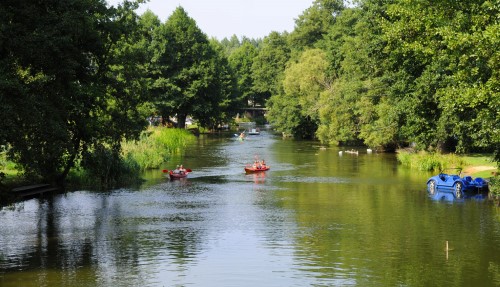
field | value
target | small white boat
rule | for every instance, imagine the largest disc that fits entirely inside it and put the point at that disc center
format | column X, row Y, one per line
column 254, row 132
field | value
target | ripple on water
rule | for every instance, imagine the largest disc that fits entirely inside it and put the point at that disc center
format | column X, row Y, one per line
column 312, row 179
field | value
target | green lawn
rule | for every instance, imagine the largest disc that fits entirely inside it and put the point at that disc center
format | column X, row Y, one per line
column 480, row 159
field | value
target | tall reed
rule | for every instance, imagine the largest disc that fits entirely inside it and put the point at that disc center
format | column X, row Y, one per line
column 156, row 145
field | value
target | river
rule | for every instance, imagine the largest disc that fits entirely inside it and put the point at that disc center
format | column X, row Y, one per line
column 316, row 218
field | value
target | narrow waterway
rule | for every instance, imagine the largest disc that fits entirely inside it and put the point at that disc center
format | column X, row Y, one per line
column 316, row 218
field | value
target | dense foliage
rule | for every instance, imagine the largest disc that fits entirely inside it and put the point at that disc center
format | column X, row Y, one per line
column 190, row 75
column 60, row 99
column 78, row 77
column 392, row 74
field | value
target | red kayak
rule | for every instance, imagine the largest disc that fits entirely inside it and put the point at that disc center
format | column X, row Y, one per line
column 251, row 169
column 177, row 175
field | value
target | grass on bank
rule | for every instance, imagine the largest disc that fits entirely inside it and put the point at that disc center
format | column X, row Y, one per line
column 474, row 164
column 156, row 145
column 425, row 161
column 8, row 170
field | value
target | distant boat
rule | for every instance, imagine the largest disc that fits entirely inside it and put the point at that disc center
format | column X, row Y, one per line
column 254, row 132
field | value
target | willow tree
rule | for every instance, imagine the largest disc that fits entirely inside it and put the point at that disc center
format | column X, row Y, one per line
column 357, row 107
column 304, row 81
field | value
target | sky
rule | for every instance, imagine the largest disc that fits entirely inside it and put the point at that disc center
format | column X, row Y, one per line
column 224, row 18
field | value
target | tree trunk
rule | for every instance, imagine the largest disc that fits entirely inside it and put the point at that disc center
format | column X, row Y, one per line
column 181, row 121
column 70, row 163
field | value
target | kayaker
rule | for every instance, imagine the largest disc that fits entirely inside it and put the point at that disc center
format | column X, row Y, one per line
column 176, row 170
column 182, row 169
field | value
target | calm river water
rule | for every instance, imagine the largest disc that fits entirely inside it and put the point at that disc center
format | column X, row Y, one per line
column 315, row 219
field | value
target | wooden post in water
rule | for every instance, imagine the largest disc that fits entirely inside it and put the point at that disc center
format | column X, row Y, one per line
column 447, row 248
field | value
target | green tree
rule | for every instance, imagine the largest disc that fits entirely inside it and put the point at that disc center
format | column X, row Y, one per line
column 303, row 83
column 284, row 114
column 315, row 22
column 348, row 110
column 230, row 45
column 58, row 96
column 269, row 65
column 338, row 115
column 241, row 61
column 445, row 56
column 184, row 70
column 224, row 91
column 470, row 100
column 128, row 65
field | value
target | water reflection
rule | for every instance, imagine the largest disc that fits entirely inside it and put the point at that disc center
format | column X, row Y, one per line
column 258, row 177
column 314, row 219
column 449, row 196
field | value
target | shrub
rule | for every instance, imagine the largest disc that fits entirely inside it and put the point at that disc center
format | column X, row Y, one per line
column 430, row 162
column 494, row 186
column 404, row 158
column 109, row 167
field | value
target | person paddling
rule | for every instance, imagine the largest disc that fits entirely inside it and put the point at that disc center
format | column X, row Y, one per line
column 176, row 170
column 182, row 170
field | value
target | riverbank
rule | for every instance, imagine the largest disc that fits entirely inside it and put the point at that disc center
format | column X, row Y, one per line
column 153, row 149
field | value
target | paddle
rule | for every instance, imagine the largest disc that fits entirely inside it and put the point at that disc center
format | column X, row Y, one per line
column 167, row 171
